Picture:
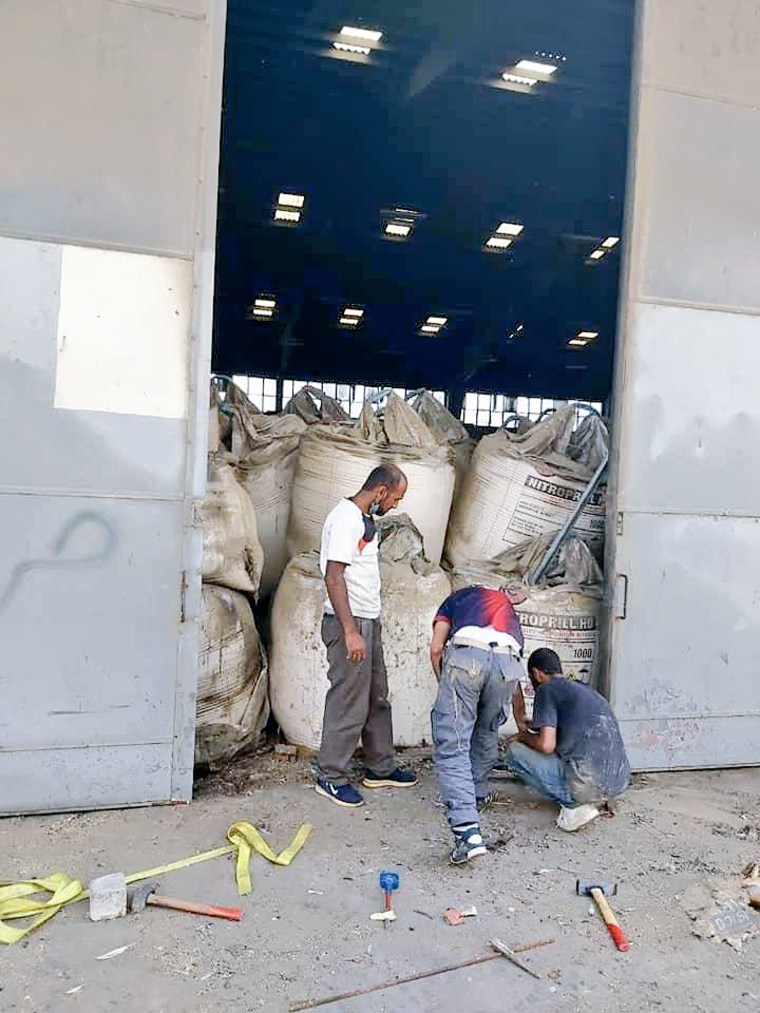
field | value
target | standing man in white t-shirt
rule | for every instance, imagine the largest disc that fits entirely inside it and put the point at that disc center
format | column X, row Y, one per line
column 357, row 704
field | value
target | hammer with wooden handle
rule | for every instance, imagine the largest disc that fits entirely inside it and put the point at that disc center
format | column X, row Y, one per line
column 145, row 894
column 599, row 892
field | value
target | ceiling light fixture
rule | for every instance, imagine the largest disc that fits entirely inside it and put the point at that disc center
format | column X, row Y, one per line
column 346, row 47
column 588, row 335
column 350, row 311
column 577, row 343
column 265, row 304
column 361, row 33
column 519, row 79
column 597, row 255
column 398, row 229
column 533, row 67
column 291, row 200
column 427, row 329
column 349, row 321
column 437, row 321
column 509, row 229
column 499, row 243
column 286, row 215
column 610, row 241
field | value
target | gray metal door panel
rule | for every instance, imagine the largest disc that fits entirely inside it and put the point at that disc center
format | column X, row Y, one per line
column 684, row 677
column 89, row 611
column 72, row 450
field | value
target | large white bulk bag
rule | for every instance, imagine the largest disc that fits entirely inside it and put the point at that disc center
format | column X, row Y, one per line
column 265, row 448
column 334, row 461
column 298, row 662
column 312, row 405
column 232, row 706
column 232, row 553
column 448, row 430
column 522, row 486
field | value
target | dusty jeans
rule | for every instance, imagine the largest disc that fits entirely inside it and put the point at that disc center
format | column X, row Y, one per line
column 474, row 697
column 356, row 705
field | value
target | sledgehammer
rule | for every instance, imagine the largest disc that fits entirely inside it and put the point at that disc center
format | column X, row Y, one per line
column 110, row 898
column 600, row 892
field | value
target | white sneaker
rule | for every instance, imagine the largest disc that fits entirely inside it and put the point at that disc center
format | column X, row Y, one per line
column 573, row 819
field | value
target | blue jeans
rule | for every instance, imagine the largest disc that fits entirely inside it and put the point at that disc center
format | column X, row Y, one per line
column 474, row 696
column 544, row 774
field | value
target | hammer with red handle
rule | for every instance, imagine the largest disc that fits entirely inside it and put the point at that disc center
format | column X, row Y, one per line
column 599, row 892
column 141, row 896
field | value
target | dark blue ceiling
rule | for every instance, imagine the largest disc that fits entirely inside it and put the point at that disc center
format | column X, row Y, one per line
column 421, row 125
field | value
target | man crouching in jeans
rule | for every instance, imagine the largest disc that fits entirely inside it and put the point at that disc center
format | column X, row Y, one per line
column 357, row 704
column 475, row 653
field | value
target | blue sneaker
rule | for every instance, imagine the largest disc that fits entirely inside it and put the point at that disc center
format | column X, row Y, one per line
column 341, row 794
column 468, row 843
column 397, row 778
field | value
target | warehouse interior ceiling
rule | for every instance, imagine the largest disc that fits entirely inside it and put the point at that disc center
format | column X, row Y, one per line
column 329, row 138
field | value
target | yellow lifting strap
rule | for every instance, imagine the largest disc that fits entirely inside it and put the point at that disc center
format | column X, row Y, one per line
column 21, row 900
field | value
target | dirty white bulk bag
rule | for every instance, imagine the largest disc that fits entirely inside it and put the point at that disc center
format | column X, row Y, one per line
column 298, row 662
column 522, row 486
column 266, row 448
column 334, row 461
column 448, row 430
column 232, row 553
column 232, row 706
column 312, row 405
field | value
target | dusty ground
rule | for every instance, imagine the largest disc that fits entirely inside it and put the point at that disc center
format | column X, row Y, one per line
column 307, row 931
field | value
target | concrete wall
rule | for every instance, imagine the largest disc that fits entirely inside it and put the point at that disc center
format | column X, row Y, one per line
column 109, row 121
column 685, row 538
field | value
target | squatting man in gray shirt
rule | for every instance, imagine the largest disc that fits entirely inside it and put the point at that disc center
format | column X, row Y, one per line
column 357, row 704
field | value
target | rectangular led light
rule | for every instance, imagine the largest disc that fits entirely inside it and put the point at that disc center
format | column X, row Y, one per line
column 610, row 242
column 519, row 79
column 266, row 304
column 499, row 243
column 588, row 335
column 351, row 312
column 577, row 343
column 437, row 321
column 429, row 329
column 509, row 229
column 536, row 68
column 267, row 314
column 284, row 215
column 361, row 33
column 344, row 47
column 397, row 229
column 349, row 321
column 291, row 200
column 597, row 255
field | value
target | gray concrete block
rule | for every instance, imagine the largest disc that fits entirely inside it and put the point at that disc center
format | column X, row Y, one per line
column 108, row 897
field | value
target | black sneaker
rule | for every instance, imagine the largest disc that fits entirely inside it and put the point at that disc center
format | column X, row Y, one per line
column 468, row 844
column 398, row 778
column 341, row 794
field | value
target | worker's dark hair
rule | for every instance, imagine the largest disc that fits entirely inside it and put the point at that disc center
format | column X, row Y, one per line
column 385, row 474
column 545, row 660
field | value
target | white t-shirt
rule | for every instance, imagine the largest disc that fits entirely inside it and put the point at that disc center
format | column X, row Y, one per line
column 345, row 540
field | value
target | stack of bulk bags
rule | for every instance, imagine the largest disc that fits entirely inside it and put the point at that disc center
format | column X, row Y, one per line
column 448, row 430
column 334, row 461
column 526, row 485
column 265, row 448
column 563, row 613
column 232, row 697
column 232, row 706
column 413, row 589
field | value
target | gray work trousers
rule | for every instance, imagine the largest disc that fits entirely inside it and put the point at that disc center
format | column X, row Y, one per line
column 356, row 705
column 474, row 697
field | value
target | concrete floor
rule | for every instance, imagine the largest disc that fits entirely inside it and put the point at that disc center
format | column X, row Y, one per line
column 306, row 932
